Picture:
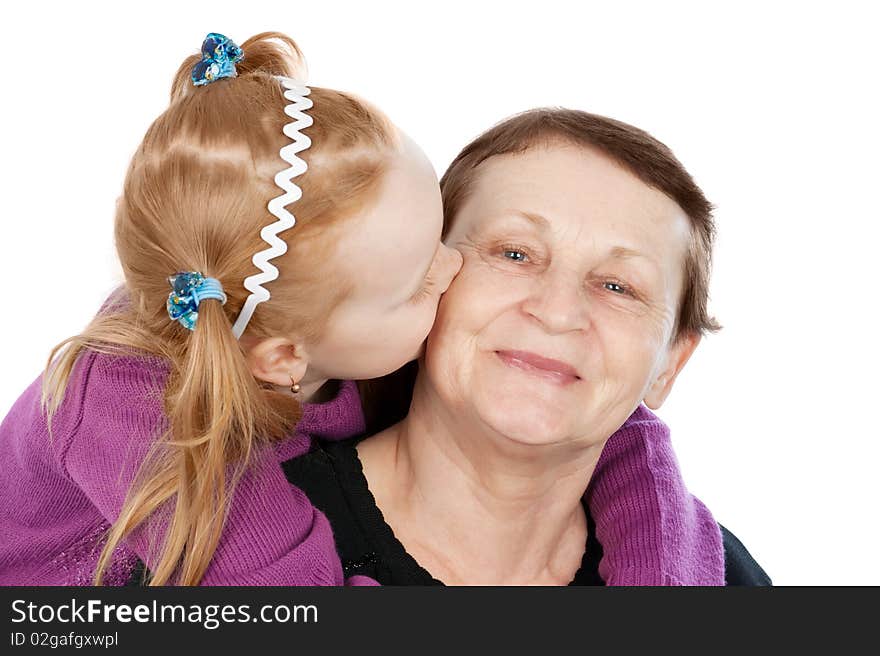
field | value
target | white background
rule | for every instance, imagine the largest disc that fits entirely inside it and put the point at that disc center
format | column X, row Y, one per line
column 772, row 106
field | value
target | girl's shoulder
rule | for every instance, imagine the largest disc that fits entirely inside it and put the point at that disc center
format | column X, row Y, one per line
column 138, row 376
column 104, row 395
column 107, row 398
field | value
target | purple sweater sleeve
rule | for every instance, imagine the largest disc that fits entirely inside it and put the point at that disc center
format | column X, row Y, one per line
column 273, row 535
column 652, row 530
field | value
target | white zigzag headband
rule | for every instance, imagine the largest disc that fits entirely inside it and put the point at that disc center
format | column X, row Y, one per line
column 296, row 93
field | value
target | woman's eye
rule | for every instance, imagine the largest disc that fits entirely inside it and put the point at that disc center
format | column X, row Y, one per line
column 514, row 254
column 616, row 287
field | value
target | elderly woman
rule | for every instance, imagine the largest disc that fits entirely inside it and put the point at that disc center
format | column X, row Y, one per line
column 582, row 295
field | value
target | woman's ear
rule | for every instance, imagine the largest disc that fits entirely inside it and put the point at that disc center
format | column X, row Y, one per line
column 676, row 357
column 276, row 360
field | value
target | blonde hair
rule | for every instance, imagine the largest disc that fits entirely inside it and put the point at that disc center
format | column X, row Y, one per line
column 195, row 199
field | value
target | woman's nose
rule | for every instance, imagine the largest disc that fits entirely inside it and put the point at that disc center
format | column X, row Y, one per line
column 452, row 261
column 558, row 303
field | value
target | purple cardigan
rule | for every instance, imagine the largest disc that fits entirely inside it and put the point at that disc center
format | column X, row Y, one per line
column 59, row 496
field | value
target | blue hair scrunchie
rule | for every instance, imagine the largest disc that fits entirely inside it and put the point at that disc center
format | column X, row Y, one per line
column 189, row 289
column 219, row 55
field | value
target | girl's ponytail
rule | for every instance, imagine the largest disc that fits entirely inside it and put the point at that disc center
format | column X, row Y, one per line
column 218, row 414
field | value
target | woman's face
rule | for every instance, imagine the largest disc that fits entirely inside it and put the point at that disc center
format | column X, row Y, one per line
column 560, row 321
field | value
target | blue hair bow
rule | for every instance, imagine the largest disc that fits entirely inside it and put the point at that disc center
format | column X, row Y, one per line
column 219, row 55
column 190, row 289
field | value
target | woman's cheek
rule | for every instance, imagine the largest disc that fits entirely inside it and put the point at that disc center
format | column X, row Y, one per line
column 630, row 350
column 644, row 334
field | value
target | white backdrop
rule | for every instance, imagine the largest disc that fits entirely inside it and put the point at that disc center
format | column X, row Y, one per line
column 772, row 107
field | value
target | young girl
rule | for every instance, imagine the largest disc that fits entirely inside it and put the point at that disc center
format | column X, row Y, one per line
column 157, row 433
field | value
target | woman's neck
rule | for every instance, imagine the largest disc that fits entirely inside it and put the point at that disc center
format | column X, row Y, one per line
column 473, row 507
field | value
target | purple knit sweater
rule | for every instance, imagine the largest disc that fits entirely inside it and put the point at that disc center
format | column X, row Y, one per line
column 58, row 496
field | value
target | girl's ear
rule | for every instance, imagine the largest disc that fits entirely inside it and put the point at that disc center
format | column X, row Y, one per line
column 276, row 360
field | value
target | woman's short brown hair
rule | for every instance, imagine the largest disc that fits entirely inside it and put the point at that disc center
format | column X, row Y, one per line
column 634, row 149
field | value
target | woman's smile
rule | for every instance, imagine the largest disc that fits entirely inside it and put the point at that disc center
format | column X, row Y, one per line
column 551, row 370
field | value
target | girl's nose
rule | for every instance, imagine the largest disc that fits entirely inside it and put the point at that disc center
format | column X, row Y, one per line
column 452, row 261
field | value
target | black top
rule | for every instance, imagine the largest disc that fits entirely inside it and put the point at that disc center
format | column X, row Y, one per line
column 332, row 477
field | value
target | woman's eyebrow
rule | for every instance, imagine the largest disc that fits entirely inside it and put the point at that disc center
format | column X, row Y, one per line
column 624, row 253
column 534, row 218
column 540, row 222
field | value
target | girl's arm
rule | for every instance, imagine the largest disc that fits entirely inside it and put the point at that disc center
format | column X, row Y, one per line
column 652, row 530
column 273, row 535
